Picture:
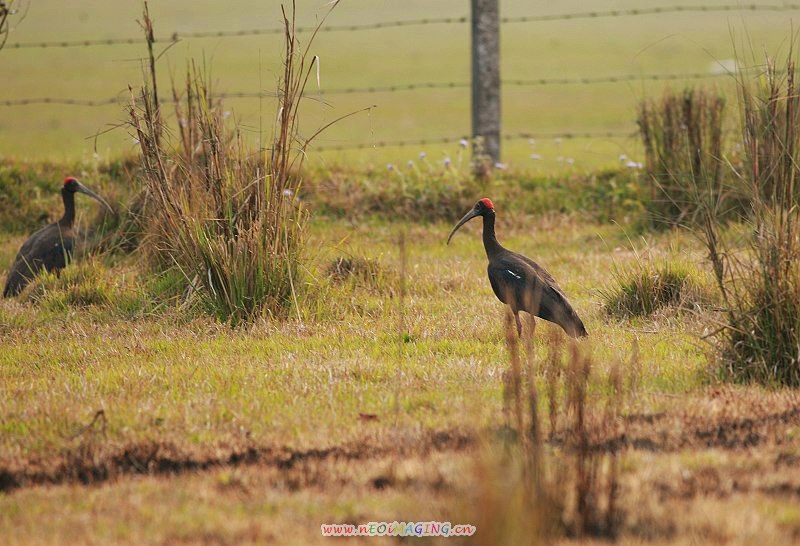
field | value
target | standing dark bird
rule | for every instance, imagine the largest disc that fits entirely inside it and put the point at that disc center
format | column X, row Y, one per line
column 49, row 248
column 519, row 281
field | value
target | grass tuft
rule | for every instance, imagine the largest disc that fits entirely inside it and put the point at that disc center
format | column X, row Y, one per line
column 78, row 286
column 90, row 284
column 645, row 288
column 364, row 271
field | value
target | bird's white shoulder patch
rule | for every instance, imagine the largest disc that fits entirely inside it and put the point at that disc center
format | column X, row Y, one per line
column 513, row 274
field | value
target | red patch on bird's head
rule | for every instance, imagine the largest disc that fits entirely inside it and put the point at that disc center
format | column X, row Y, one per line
column 69, row 179
column 487, row 203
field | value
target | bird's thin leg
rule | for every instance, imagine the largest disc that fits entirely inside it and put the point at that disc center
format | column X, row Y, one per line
column 519, row 323
column 532, row 324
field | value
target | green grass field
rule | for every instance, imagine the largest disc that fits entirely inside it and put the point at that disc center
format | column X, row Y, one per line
column 648, row 44
column 129, row 415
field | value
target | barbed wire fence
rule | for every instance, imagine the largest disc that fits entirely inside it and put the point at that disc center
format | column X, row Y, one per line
column 389, row 88
column 176, row 36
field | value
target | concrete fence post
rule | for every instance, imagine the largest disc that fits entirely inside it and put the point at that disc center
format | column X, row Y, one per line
column 486, row 76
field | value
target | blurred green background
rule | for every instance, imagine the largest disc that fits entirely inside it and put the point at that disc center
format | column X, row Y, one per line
column 685, row 42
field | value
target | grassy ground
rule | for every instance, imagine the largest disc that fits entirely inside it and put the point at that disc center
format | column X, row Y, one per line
column 128, row 424
column 653, row 44
column 130, row 417
column 343, row 361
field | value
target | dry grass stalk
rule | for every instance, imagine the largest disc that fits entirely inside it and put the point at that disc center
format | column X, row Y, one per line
column 553, row 378
column 149, row 36
column 513, row 385
column 614, row 407
column 401, row 323
column 534, row 437
column 5, row 12
column 634, row 370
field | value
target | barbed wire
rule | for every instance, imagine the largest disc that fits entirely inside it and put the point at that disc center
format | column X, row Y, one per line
column 569, row 135
column 177, row 35
column 58, row 101
column 388, row 88
column 581, row 80
column 651, row 11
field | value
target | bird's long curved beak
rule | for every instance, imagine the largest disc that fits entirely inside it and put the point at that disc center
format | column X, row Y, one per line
column 83, row 189
column 467, row 217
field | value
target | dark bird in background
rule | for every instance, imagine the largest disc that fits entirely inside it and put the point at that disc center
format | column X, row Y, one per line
column 51, row 247
column 520, row 282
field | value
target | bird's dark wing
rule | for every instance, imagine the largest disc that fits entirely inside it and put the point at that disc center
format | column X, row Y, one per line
column 541, row 272
column 49, row 248
column 505, row 282
column 517, row 279
column 30, row 243
column 526, row 286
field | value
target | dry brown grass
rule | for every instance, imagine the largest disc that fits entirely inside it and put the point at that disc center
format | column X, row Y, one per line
column 719, row 466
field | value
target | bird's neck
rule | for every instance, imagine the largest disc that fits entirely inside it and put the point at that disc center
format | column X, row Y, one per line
column 69, row 208
column 490, row 243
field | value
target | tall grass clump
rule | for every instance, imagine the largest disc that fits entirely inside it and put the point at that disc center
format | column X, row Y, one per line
column 683, row 141
column 225, row 216
column 761, row 286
